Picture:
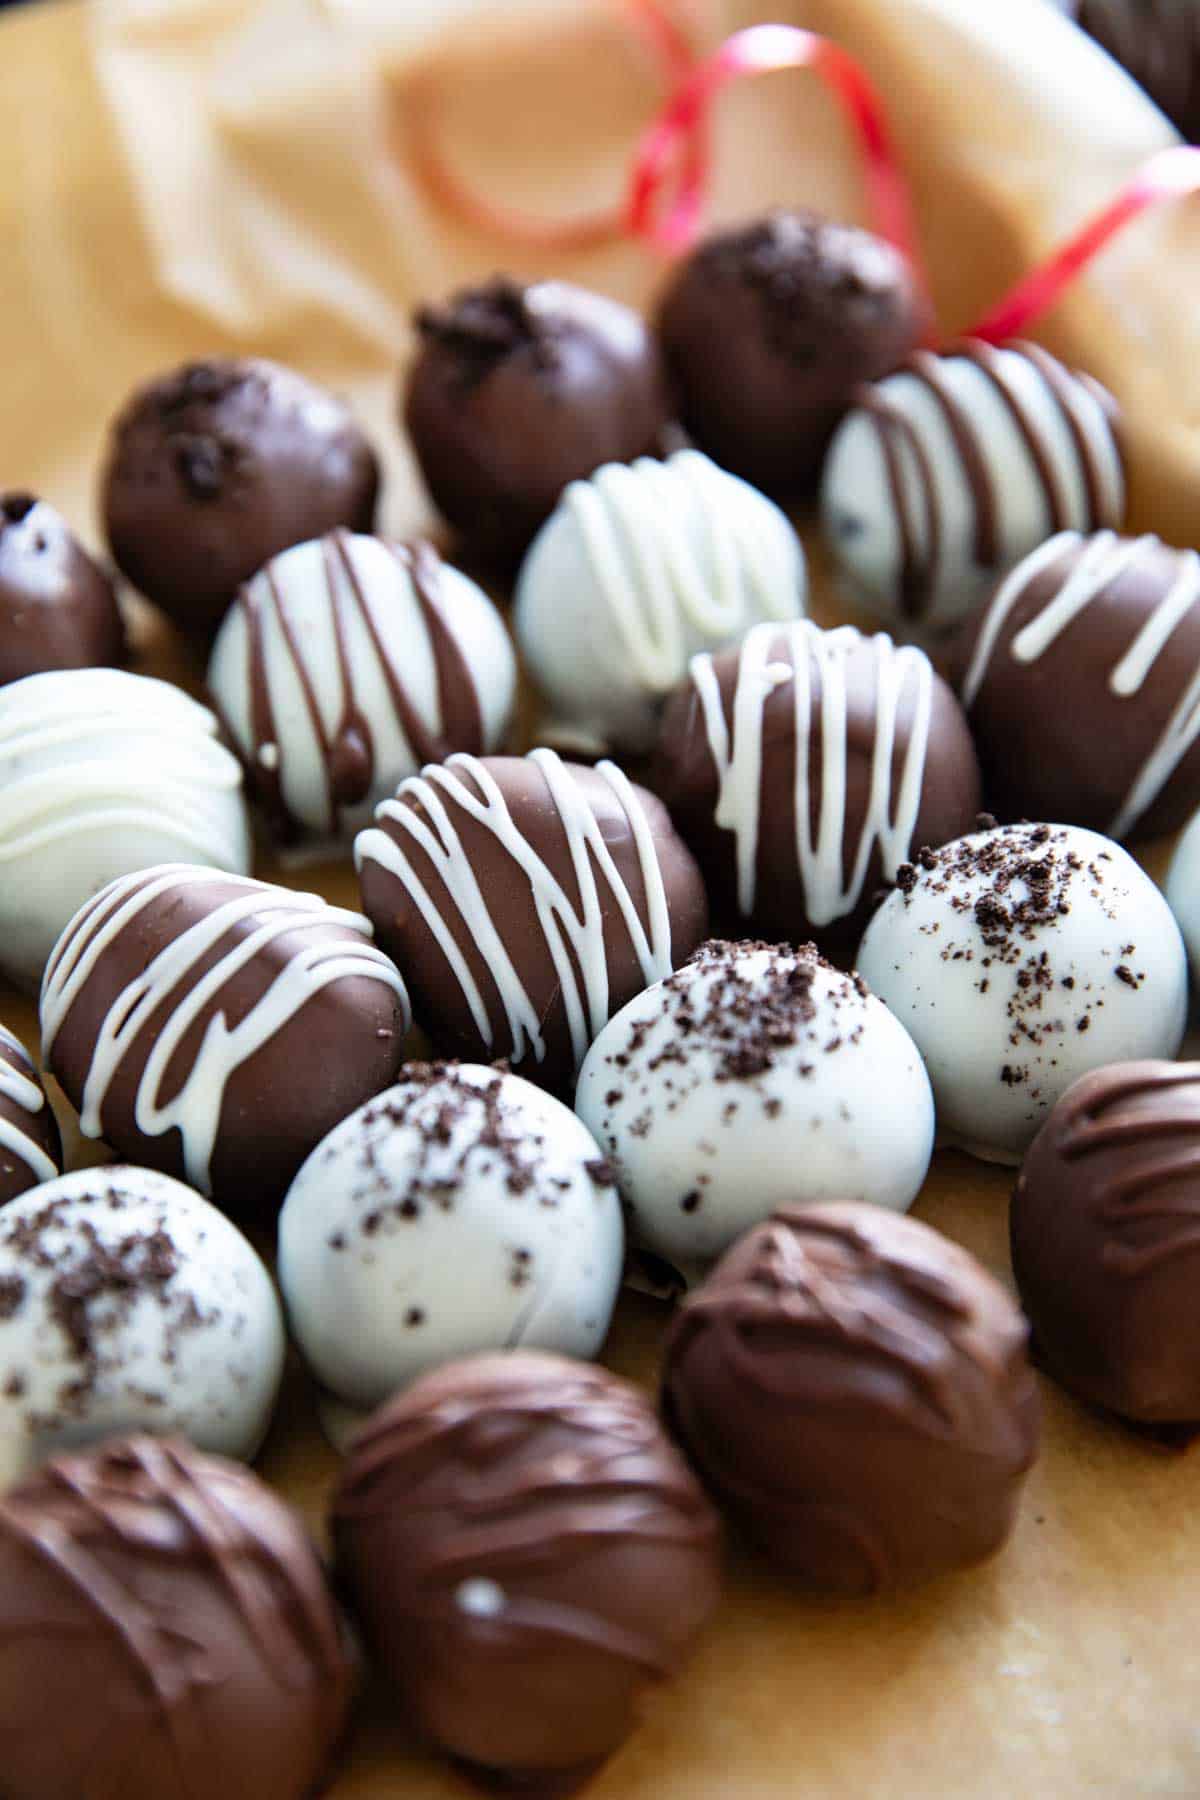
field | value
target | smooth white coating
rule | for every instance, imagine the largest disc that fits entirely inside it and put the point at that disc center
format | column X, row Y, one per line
column 198, row 1348
column 405, row 1239
column 21, row 1093
column 1005, row 1029
column 353, row 597
column 103, row 772
column 844, row 1111
column 1183, row 891
column 637, row 569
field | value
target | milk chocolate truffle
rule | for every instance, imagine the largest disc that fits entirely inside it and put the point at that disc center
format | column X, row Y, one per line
column 1082, row 686
column 166, row 1633
column 855, row 1389
column 515, row 391
column 955, row 467
column 1158, row 43
column 768, row 330
column 30, row 1145
column 1105, row 1227
column 528, row 1556
column 57, row 607
column 347, row 664
column 1020, row 958
column 525, row 900
column 803, row 767
column 217, row 466
column 216, row 1027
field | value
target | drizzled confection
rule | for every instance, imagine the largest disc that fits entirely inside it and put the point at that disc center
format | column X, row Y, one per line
column 30, row 1145
column 637, row 570
column 347, row 664
column 57, row 606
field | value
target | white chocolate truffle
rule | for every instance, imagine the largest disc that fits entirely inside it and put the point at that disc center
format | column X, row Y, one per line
column 1020, row 958
column 637, row 570
column 753, row 1078
column 102, row 773
column 462, row 1210
column 1183, row 891
column 30, row 1146
column 950, row 471
column 128, row 1303
column 347, row 664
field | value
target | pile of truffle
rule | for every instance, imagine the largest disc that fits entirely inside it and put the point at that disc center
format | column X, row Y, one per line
column 604, row 1087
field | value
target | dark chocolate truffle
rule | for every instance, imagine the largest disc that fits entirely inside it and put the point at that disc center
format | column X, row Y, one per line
column 1105, row 1229
column 527, row 1555
column 57, row 607
column 30, row 1146
column 218, row 466
column 1082, row 686
column 166, row 1633
column 805, row 766
column 855, row 1389
column 526, row 900
column 515, row 391
column 1158, row 43
column 769, row 329
column 217, row 1028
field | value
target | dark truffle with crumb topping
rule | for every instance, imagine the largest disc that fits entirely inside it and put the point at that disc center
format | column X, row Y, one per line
column 516, row 391
column 57, row 606
column 855, row 1389
column 528, row 1556
column 769, row 329
column 166, row 1630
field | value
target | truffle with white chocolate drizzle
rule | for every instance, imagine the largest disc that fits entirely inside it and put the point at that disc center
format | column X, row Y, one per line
column 30, row 1146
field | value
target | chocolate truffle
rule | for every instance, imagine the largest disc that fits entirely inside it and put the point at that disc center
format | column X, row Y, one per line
column 753, row 1076
column 949, row 472
column 128, row 1303
column 805, row 766
column 515, row 391
column 1019, row 958
column 1158, row 43
column 528, row 1555
column 637, row 570
column 101, row 773
column 769, row 328
column 166, row 1633
column 526, row 900
column 217, row 466
column 347, row 664
column 1105, row 1227
column 1183, row 892
column 30, row 1145
column 463, row 1210
column 57, row 607
column 856, row 1390
column 217, row 1027
column 1082, row 685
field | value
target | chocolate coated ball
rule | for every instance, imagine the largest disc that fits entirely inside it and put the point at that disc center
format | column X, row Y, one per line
column 57, row 607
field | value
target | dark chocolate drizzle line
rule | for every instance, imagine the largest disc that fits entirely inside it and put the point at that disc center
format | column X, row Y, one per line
column 989, row 362
column 916, row 568
column 1060, row 381
column 984, row 501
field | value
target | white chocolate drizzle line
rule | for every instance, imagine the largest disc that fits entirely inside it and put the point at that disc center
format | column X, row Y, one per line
column 26, row 1096
column 574, row 940
column 270, row 912
column 829, row 893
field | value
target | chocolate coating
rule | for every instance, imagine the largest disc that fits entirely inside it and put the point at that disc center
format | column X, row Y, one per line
column 217, row 466
column 527, row 1554
column 842, row 756
column 166, row 1633
column 57, row 606
column 768, row 330
column 515, row 391
column 1105, row 1228
column 30, row 1145
column 855, row 1389
column 1158, row 43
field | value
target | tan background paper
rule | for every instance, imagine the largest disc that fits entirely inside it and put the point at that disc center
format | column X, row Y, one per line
column 179, row 176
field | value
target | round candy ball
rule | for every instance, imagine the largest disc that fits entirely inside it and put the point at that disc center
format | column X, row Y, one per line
column 636, row 571
column 752, row 1077
column 528, row 1555
column 347, row 664
column 215, row 467
column 855, row 1389
column 1105, row 1227
column 769, row 329
column 30, row 1145
column 128, row 1303
column 462, row 1210
column 517, row 390
column 57, row 607
column 1019, row 959
column 166, row 1633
